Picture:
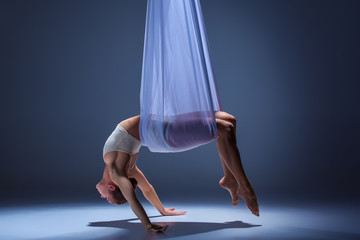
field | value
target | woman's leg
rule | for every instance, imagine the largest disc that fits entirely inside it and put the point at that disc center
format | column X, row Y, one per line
column 231, row 161
column 229, row 183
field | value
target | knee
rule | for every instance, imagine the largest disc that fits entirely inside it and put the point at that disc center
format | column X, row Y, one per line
column 226, row 117
column 226, row 130
column 231, row 119
column 230, row 124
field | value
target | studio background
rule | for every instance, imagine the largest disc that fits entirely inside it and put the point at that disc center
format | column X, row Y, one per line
column 288, row 70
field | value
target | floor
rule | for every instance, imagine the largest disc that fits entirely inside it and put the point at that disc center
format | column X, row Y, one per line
column 202, row 221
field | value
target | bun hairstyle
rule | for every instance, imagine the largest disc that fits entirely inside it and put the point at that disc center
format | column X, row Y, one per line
column 117, row 194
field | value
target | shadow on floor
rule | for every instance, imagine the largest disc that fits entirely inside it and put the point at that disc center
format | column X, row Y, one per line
column 175, row 229
column 190, row 230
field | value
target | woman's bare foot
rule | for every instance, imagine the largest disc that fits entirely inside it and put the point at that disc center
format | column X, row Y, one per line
column 247, row 193
column 231, row 186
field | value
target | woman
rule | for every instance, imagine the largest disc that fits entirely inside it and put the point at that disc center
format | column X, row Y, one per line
column 121, row 175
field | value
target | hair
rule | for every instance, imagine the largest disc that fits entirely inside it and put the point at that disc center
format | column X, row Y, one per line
column 117, row 194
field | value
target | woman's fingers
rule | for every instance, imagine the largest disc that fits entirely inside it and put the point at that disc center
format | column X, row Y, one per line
column 158, row 228
column 164, row 227
column 180, row 213
column 170, row 212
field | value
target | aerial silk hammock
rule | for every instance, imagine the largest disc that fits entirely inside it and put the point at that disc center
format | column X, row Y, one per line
column 178, row 93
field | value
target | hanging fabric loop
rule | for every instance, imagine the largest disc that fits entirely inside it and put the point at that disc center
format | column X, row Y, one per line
column 178, row 93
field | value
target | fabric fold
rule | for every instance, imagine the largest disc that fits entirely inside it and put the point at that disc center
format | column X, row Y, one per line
column 178, row 93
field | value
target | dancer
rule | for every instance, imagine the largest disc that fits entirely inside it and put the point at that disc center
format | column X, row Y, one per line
column 121, row 175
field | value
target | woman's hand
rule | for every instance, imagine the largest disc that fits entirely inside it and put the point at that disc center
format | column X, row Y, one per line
column 171, row 212
column 156, row 228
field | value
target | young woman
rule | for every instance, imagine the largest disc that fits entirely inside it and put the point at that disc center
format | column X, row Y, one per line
column 121, row 175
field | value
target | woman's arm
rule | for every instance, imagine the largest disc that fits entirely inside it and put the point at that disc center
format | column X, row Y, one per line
column 150, row 194
column 119, row 177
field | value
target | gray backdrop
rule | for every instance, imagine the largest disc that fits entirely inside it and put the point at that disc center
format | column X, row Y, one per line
column 288, row 70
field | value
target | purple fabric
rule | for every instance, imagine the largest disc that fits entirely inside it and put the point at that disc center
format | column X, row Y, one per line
column 178, row 93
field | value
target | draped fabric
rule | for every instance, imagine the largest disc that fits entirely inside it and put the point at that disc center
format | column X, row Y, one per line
column 178, row 93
